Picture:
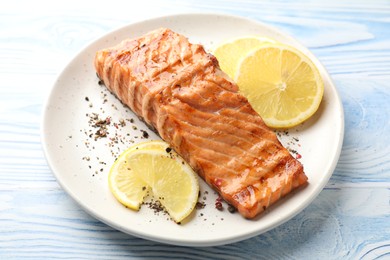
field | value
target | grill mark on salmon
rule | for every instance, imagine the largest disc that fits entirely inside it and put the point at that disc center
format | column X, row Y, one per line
column 180, row 91
column 249, row 159
column 219, row 122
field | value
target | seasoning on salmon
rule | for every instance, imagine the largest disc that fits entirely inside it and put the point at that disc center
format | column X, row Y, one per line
column 180, row 91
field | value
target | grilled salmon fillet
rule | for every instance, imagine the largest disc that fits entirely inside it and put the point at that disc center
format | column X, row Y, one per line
column 180, row 91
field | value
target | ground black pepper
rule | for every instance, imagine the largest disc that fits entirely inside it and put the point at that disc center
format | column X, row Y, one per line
column 291, row 142
column 200, row 205
column 156, row 206
column 145, row 134
column 106, row 128
column 231, row 209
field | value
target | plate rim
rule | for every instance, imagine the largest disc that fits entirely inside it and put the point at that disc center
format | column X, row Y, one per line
column 180, row 242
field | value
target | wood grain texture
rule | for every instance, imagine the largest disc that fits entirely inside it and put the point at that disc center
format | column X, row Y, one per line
column 350, row 219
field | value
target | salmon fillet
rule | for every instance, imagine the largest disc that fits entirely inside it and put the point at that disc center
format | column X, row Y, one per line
column 179, row 90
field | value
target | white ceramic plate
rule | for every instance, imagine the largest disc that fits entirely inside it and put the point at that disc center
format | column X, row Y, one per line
column 81, row 163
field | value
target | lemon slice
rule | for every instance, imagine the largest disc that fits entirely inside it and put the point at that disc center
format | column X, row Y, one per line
column 281, row 83
column 229, row 53
column 126, row 186
column 171, row 180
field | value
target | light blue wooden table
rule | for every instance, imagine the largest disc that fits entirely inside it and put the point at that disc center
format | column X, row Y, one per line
column 350, row 219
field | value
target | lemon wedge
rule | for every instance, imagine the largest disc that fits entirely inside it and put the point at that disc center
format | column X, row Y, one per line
column 230, row 52
column 281, row 83
column 156, row 167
